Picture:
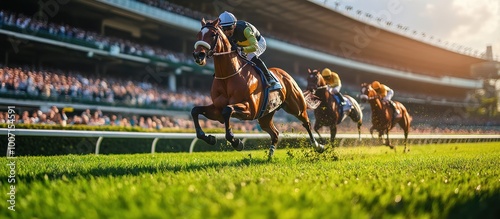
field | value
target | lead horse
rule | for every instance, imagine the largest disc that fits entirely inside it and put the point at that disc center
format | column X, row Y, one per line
column 327, row 112
column 383, row 115
column 237, row 91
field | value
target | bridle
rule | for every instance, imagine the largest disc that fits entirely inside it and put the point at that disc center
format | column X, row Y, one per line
column 211, row 48
column 317, row 80
column 366, row 95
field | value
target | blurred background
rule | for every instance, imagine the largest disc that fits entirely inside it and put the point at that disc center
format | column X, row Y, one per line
column 128, row 63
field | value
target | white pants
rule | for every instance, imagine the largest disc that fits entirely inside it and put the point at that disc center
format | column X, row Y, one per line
column 334, row 90
column 261, row 47
column 390, row 94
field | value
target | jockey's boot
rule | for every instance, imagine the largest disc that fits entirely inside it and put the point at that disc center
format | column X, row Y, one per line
column 341, row 99
column 397, row 114
column 346, row 107
column 269, row 80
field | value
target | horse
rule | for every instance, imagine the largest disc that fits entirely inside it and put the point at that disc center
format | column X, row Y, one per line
column 328, row 112
column 237, row 91
column 383, row 115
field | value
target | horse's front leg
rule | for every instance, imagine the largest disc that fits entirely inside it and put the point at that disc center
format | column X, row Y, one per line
column 267, row 124
column 227, row 112
column 381, row 136
column 388, row 142
column 371, row 131
column 359, row 130
column 333, row 133
column 317, row 126
column 307, row 125
column 210, row 112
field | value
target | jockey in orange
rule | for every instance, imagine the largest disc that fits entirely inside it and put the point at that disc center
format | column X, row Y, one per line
column 334, row 85
column 246, row 37
column 386, row 93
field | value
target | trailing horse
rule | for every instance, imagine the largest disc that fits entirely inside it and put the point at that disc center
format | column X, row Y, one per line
column 237, row 91
column 329, row 112
column 383, row 115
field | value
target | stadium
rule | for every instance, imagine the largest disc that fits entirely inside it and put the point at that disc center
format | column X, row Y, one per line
column 75, row 72
column 137, row 54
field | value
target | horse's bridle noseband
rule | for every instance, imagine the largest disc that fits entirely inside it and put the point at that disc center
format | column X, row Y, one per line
column 317, row 87
column 211, row 48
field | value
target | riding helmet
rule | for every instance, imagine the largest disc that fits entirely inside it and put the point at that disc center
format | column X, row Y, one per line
column 326, row 72
column 375, row 85
column 227, row 19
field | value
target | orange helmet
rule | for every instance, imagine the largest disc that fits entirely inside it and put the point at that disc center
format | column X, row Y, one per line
column 375, row 85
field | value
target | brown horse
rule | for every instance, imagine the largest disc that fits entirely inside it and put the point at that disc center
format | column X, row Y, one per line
column 237, row 91
column 383, row 115
column 327, row 113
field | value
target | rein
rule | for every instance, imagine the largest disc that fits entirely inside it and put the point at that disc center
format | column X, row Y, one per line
column 319, row 88
column 237, row 72
column 212, row 53
column 222, row 53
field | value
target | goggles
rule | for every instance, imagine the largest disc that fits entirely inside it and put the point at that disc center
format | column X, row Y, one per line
column 226, row 28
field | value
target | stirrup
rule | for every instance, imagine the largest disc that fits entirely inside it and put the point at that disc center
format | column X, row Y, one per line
column 271, row 81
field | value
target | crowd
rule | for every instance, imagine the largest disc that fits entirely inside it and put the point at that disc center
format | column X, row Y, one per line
column 67, row 86
column 65, row 31
column 178, row 9
column 56, row 116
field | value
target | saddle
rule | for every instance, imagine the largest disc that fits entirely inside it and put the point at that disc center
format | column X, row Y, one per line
column 344, row 108
column 272, row 99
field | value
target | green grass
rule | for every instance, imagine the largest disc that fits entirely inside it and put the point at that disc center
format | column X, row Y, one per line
column 432, row 181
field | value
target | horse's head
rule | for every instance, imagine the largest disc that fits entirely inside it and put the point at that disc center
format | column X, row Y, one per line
column 315, row 80
column 367, row 92
column 210, row 40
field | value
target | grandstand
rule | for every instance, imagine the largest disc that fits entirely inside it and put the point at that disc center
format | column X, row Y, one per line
column 114, row 55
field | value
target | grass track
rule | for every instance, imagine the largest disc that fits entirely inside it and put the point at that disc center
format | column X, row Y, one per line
column 432, row 181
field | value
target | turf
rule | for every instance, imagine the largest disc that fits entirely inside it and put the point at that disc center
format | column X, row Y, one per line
column 431, row 181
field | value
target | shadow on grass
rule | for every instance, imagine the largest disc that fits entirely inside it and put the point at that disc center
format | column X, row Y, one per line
column 479, row 206
column 138, row 170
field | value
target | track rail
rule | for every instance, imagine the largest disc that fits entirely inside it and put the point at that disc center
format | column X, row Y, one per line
column 350, row 139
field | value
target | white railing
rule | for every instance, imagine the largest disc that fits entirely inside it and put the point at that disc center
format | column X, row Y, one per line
column 414, row 139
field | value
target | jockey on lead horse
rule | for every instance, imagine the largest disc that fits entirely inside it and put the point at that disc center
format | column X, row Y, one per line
column 245, row 36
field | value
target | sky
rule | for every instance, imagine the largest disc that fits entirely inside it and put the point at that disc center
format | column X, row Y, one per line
column 472, row 24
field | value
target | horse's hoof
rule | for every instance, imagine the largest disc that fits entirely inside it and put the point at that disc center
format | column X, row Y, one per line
column 211, row 140
column 270, row 155
column 320, row 149
column 271, row 152
column 237, row 145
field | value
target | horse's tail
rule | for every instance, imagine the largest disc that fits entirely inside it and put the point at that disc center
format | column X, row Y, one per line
column 358, row 116
column 405, row 112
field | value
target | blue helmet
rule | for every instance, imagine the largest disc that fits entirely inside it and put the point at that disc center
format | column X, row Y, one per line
column 227, row 19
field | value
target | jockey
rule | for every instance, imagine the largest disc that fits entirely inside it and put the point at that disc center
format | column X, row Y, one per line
column 249, row 39
column 334, row 85
column 386, row 93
